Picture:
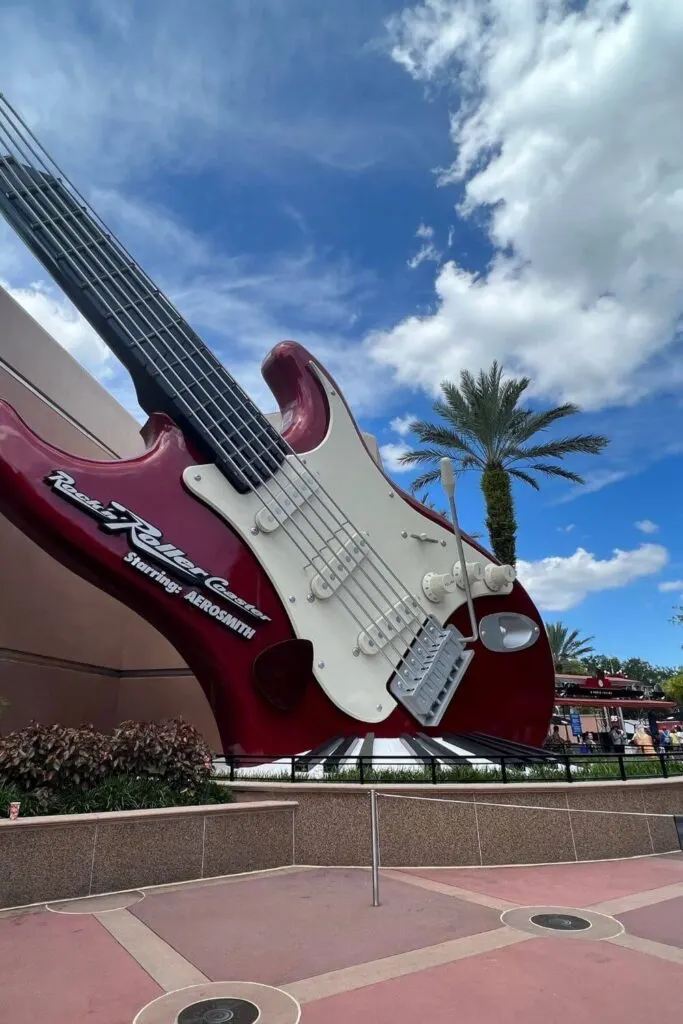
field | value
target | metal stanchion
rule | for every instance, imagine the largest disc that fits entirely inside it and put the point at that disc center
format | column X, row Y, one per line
column 374, row 824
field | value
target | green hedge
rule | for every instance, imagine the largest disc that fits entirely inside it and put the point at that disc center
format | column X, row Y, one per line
column 119, row 793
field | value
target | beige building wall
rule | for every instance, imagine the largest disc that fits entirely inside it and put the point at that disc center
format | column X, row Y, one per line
column 68, row 652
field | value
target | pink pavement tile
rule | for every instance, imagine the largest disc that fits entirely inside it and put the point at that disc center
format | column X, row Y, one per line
column 542, row 981
column 67, row 969
column 662, row 922
column 286, row 927
column 571, row 885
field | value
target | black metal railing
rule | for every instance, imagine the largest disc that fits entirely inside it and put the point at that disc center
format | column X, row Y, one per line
column 377, row 768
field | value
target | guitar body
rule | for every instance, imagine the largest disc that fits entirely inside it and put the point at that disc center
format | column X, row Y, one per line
column 192, row 564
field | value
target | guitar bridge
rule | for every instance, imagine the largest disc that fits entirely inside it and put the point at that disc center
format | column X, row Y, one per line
column 431, row 672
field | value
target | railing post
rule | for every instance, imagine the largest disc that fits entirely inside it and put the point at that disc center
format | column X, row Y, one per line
column 292, row 773
column 360, row 769
column 567, row 768
column 374, row 825
column 232, row 767
column 503, row 770
column 662, row 761
column 622, row 768
column 433, row 763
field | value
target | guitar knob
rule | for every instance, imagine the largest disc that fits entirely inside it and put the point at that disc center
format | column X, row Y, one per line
column 436, row 585
column 498, row 576
column 475, row 573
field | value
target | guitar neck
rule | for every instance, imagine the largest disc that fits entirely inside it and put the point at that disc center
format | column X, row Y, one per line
column 172, row 369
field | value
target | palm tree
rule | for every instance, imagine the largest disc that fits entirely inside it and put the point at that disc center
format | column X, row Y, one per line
column 566, row 645
column 485, row 429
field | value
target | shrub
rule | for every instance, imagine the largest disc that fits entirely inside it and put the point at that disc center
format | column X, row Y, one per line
column 171, row 750
column 53, row 757
column 58, row 758
column 118, row 793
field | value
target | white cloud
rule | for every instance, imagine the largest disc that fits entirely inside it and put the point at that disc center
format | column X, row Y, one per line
column 57, row 316
column 557, row 584
column 401, row 424
column 567, row 529
column 391, row 453
column 569, row 146
column 669, row 586
column 428, row 251
column 646, row 526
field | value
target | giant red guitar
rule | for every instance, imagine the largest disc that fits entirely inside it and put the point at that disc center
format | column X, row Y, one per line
column 310, row 597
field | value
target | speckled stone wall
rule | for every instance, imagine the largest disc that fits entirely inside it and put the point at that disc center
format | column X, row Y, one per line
column 459, row 825
column 43, row 859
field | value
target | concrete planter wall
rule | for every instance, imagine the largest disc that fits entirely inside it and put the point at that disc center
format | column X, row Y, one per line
column 280, row 824
column 491, row 824
column 53, row 858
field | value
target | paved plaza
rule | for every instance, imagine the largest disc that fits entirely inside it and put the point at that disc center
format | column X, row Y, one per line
column 444, row 945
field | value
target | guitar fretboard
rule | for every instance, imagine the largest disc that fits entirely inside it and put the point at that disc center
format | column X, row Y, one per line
column 172, row 369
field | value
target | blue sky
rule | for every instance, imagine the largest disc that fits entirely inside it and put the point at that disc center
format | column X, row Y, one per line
column 408, row 192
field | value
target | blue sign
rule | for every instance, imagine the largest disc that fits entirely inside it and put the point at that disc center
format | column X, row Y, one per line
column 575, row 720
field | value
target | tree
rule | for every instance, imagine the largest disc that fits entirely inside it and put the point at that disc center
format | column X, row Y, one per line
column 610, row 665
column 566, row 645
column 673, row 688
column 485, row 429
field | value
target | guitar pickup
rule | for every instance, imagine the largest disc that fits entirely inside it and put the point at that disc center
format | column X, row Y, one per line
column 388, row 627
column 290, row 495
column 335, row 563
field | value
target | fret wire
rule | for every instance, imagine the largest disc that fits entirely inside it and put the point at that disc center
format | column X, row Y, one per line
column 188, row 389
column 164, row 332
column 343, row 524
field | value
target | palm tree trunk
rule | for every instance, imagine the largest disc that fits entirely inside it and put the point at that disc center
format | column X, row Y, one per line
column 500, row 514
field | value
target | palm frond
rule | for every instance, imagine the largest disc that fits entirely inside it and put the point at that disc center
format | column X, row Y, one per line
column 583, row 444
column 536, row 422
column 521, row 475
column 567, row 645
column 418, row 456
column 423, row 481
column 480, row 424
column 443, row 437
column 549, row 470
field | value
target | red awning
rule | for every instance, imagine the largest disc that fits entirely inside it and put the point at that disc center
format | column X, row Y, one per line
column 590, row 702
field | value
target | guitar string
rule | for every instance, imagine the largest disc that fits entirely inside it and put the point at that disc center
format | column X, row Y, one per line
column 400, row 651
column 406, row 627
column 403, row 653
column 326, row 542
column 361, row 625
column 214, row 367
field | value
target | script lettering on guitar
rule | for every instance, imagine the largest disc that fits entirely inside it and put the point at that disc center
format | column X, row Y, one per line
column 145, row 537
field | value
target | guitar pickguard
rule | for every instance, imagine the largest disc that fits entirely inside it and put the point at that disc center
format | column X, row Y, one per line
column 407, row 547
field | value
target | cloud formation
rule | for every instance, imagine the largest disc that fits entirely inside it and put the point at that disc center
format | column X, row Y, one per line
column 669, row 586
column 569, row 150
column 646, row 526
column 557, row 584
column 427, row 250
column 391, row 453
column 401, row 424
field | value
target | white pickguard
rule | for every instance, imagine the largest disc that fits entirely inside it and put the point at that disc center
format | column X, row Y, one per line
column 355, row 682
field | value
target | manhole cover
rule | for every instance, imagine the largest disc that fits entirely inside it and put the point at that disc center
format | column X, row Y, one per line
column 561, row 922
column 219, row 1011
